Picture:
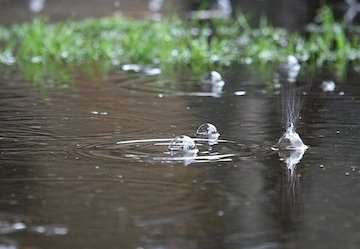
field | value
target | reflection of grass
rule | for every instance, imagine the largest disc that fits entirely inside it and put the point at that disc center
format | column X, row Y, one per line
column 48, row 53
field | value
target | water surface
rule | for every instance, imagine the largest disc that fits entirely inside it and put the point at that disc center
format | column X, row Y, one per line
column 66, row 182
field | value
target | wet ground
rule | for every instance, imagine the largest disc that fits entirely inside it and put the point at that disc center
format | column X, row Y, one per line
column 67, row 182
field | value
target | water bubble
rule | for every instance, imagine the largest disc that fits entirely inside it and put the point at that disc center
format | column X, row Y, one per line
column 214, row 83
column 328, row 86
column 214, row 78
column 152, row 71
column 207, row 131
column 182, row 144
column 290, row 68
column 131, row 68
column 240, row 93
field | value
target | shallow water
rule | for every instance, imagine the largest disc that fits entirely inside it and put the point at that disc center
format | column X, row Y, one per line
column 70, row 178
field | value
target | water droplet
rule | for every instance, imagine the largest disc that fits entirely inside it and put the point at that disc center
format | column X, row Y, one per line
column 207, row 131
column 36, row 6
column 182, row 144
column 328, row 86
column 116, row 4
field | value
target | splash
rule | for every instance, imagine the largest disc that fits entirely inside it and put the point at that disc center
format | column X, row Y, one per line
column 290, row 145
column 290, row 140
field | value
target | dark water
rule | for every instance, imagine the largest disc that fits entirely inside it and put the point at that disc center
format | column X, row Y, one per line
column 66, row 183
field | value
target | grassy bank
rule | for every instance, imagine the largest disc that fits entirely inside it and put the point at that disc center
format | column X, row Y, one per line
column 53, row 52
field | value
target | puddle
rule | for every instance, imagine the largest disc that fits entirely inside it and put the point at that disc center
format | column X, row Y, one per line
column 94, row 160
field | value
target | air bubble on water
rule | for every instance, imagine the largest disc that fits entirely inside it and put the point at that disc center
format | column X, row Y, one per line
column 240, row 93
column 49, row 230
column 131, row 68
column 182, row 144
column 328, row 86
column 152, row 71
column 214, row 82
column 290, row 68
column 207, row 131
column 214, row 78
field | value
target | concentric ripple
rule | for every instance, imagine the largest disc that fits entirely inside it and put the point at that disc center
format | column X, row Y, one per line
column 156, row 151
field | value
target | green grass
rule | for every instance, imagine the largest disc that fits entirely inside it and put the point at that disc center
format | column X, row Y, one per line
column 53, row 52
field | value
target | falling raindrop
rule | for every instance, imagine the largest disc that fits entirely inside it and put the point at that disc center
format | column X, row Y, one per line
column 290, row 68
column 36, row 6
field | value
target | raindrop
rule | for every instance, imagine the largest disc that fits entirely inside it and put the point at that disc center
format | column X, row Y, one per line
column 290, row 68
column 36, row 5
column 220, row 213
